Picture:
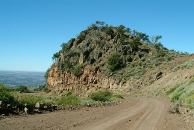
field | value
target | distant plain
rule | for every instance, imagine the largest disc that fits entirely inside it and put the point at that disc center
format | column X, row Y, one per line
column 22, row 78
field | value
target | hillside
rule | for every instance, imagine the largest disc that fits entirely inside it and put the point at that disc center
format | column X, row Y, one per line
column 110, row 57
column 108, row 77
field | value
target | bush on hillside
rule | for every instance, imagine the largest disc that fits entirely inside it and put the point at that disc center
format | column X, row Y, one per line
column 65, row 47
column 102, row 96
column 183, row 94
column 6, row 98
column 77, row 70
column 115, row 62
column 4, row 88
column 22, row 89
column 69, row 100
column 56, row 55
column 7, row 103
column 28, row 101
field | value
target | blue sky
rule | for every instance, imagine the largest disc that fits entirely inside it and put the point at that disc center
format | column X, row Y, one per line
column 32, row 30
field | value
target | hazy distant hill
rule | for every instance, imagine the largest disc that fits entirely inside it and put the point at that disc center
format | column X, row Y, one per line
column 16, row 78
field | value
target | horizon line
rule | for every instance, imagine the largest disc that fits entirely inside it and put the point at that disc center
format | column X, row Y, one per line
column 23, row 71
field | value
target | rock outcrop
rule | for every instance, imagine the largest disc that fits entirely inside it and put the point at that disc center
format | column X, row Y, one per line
column 89, row 80
column 107, row 57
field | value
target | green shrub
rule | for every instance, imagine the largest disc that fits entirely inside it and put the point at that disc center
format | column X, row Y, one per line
column 8, row 104
column 65, row 47
column 5, row 95
column 56, row 55
column 6, row 98
column 102, row 96
column 77, row 70
column 28, row 100
column 69, row 100
column 22, row 89
column 115, row 62
column 183, row 94
column 66, row 65
column 4, row 88
column 134, row 44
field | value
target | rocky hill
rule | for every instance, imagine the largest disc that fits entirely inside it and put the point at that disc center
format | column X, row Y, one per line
column 110, row 57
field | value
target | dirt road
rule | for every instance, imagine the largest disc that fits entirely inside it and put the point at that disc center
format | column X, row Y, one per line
column 131, row 114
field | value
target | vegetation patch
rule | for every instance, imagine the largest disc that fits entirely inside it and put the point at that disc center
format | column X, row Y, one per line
column 28, row 101
column 22, row 89
column 66, row 65
column 69, row 100
column 4, row 88
column 77, row 70
column 16, row 100
column 6, row 98
column 185, row 65
column 183, row 94
column 116, row 51
column 115, row 62
column 101, row 96
column 105, row 96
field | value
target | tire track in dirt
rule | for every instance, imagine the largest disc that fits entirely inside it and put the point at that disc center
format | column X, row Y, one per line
column 114, row 119
column 151, row 113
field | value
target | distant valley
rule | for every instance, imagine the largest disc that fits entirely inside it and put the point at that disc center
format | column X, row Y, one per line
column 17, row 78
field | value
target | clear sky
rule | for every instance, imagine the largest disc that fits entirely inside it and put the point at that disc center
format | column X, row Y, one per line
column 32, row 30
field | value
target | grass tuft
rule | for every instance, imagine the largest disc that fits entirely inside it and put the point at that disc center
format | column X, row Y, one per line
column 183, row 94
column 69, row 100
